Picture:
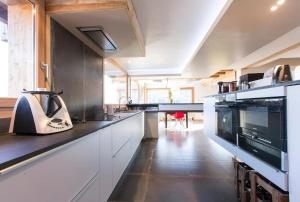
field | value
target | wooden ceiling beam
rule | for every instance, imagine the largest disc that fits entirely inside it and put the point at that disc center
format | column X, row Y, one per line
column 117, row 64
column 63, row 7
column 136, row 26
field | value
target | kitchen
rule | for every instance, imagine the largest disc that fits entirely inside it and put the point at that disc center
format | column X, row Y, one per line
column 137, row 100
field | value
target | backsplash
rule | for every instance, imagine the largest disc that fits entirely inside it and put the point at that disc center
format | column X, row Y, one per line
column 78, row 71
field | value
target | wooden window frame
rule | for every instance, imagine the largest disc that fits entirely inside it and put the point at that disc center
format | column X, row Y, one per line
column 7, row 103
column 193, row 92
column 181, row 88
column 149, row 89
column 6, row 107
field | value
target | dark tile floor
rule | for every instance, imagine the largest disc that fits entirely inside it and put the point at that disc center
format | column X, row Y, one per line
column 180, row 166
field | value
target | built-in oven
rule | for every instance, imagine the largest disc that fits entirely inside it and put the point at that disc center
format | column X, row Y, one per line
column 227, row 120
column 262, row 129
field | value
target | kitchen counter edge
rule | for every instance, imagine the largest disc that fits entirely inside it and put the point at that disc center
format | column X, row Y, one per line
column 291, row 83
column 17, row 148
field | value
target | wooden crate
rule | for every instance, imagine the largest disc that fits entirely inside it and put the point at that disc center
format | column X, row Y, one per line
column 258, row 183
column 242, row 181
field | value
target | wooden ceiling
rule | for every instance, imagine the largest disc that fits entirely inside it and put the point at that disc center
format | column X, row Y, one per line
column 221, row 73
column 118, row 18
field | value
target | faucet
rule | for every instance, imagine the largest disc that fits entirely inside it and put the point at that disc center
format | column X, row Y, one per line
column 120, row 102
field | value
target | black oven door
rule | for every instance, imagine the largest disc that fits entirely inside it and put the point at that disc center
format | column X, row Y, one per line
column 227, row 121
column 264, row 120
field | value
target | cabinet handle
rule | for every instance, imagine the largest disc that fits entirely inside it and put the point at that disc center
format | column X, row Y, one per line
column 120, row 148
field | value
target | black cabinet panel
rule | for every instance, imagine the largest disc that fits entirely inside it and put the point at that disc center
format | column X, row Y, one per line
column 78, row 71
column 93, row 85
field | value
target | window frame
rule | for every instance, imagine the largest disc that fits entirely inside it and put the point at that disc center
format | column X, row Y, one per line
column 39, row 48
column 193, row 92
column 181, row 88
column 151, row 89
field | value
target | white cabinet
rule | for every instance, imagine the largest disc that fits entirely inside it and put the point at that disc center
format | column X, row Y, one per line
column 138, row 131
column 120, row 134
column 106, row 172
column 120, row 162
column 59, row 176
column 90, row 193
column 293, row 131
column 209, row 116
column 85, row 170
column 134, row 129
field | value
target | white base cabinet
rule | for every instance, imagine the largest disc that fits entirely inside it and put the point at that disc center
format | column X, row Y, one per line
column 56, row 177
column 293, row 131
column 133, row 128
column 106, row 173
column 85, row 170
column 209, row 116
column 90, row 193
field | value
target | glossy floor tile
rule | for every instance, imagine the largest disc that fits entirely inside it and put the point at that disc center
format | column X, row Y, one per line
column 181, row 166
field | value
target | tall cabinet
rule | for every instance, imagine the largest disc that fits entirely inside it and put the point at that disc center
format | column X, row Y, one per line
column 293, row 131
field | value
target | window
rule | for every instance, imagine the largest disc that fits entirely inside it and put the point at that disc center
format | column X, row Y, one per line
column 160, row 95
column 166, row 95
column 184, row 95
column 16, row 48
column 115, row 86
column 134, row 92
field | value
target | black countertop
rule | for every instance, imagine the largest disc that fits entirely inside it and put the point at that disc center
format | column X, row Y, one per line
column 290, row 83
column 17, row 148
column 156, row 105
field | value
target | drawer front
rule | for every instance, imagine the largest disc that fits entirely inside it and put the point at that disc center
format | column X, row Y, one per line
column 91, row 193
column 120, row 162
column 121, row 133
column 59, row 176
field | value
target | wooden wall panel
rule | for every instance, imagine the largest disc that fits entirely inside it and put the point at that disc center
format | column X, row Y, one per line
column 20, row 47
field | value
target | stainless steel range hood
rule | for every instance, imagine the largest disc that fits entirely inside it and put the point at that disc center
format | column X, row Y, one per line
column 99, row 37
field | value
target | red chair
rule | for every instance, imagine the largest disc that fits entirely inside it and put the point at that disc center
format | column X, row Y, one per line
column 179, row 116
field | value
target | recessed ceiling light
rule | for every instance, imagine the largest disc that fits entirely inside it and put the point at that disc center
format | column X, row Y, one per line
column 129, row 61
column 274, row 8
column 280, row 2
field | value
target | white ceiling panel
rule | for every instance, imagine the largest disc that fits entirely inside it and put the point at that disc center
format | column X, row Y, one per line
column 173, row 31
column 246, row 26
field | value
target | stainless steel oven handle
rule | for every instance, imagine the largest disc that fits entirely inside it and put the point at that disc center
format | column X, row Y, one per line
column 248, row 135
column 222, row 106
column 264, row 140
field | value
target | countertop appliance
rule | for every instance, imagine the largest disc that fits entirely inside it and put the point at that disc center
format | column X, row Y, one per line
column 262, row 130
column 227, row 119
column 281, row 74
column 247, row 78
column 225, row 87
column 40, row 112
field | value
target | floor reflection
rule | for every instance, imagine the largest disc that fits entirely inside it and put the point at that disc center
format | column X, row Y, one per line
column 182, row 165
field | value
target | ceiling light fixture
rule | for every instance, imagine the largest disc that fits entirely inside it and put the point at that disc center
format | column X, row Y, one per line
column 280, row 2
column 274, row 8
